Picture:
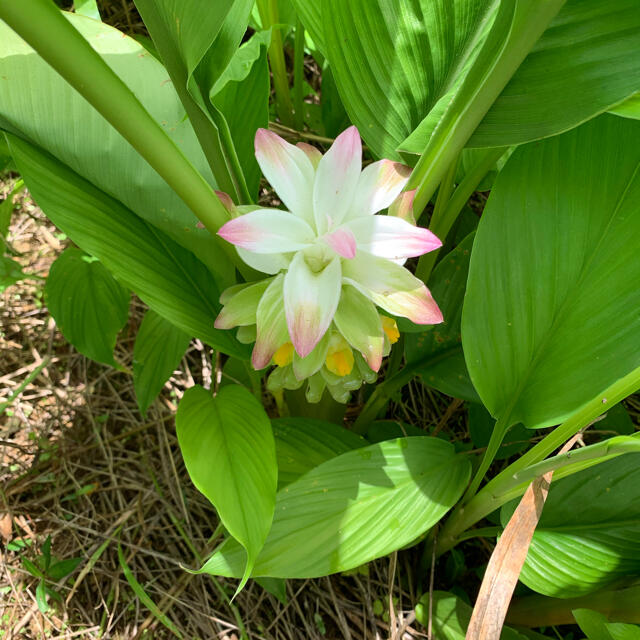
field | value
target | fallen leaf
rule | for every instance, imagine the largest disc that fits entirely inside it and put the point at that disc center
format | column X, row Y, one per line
column 507, row 559
column 6, row 526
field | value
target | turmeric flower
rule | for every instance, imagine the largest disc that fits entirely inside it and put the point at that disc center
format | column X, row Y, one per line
column 333, row 260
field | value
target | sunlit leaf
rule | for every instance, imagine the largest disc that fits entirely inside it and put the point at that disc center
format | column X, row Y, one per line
column 229, row 451
column 323, row 521
column 550, row 314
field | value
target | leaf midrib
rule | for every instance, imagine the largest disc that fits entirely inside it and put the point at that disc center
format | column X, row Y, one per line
column 559, row 315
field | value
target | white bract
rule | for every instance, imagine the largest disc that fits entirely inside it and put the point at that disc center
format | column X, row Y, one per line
column 333, row 258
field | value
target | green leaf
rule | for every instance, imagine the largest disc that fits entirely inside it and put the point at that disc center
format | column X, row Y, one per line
column 334, row 117
column 157, row 352
column 382, row 430
column 53, row 116
column 229, row 451
column 310, row 14
column 167, row 277
column 10, row 272
column 243, row 98
column 196, row 41
column 87, row 8
column 41, row 597
column 7, row 206
column 447, row 285
column 481, row 426
column 566, row 78
column 87, row 303
column 275, row 586
column 399, row 62
column 630, row 108
column 392, row 60
column 617, row 419
column 596, row 626
column 305, row 443
column 63, row 568
column 589, row 531
column 551, row 320
column 451, row 617
column 142, row 595
column 323, row 521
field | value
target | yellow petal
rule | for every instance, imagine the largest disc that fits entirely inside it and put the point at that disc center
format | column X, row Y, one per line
column 284, row 355
column 390, row 328
column 339, row 358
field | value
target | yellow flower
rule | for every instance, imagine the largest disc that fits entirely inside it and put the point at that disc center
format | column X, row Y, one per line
column 284, row 355
column 390, row 328
column 339, row 358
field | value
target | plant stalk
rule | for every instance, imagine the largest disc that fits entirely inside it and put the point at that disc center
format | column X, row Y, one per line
column 42, row 25
column 298, row 76
column 512, row 482
column 268, row 10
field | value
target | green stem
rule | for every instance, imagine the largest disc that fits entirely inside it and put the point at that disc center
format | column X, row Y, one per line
column 387, row 389
column 205, row 119
column 442, row 224
column 428, row 260
column 497, row 436
column 41, row 24
column 509, row 483
column 23, row 385
column 496, row 62
column 268, row 10
column 298, row 76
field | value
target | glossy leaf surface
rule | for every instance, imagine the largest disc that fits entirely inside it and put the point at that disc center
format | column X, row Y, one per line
column 550, row 319
column 228, row 449
column 322, row 522
column 87, row 303
column 157, row 351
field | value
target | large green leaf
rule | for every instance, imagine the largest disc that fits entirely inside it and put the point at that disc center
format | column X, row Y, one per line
column 38, row 105
column 167, row 277
column 157, row 351
column 353, row 508
column 551, row 318
column 395, row 61
column 567, row 77
column 229, row 451
column 447, row 284
column 305, row 443
column 589, row 531
column 87, row 303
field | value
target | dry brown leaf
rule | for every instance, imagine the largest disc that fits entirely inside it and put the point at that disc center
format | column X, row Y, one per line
column 6, row 526
column 507, row 559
